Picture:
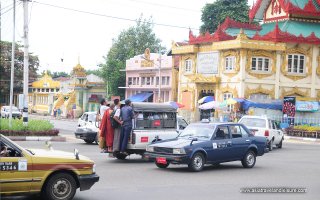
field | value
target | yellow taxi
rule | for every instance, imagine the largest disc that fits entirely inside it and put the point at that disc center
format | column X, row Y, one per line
column 56, row 175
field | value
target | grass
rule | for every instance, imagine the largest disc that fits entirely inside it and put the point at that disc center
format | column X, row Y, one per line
column 33, row 125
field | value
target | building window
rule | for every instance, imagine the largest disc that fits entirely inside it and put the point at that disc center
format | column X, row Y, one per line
column 148, row 80
column 143, row 80
column 163, row 81
column 188, row 66
column 296, row 63
column 230, row 62
column 129, row 81
column 157, row 81
column 152, row 78
column 168, row 80
column 260, row 64
column 228, row 96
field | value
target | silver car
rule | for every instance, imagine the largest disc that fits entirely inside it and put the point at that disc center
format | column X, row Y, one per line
column 5, row 112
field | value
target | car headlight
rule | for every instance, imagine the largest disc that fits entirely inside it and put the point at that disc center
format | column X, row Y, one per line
column 150, row 148
column 179, row 151
column 94, row 168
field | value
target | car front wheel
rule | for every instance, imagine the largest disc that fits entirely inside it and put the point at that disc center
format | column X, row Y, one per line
column 249, row 159
column 197, row 162
column 270, row 145
column 280, row 144
column 61, row 186
column 88, row 141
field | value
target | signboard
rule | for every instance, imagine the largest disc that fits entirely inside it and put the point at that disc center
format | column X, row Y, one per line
column 307, row 106
column 289, row 108
column 208, row 63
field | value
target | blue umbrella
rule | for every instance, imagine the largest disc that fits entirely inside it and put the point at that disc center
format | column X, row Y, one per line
column 206, row 99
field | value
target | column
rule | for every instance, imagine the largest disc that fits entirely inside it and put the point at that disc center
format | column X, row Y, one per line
column 243, row 63
column 314, row 64
column 278, row 73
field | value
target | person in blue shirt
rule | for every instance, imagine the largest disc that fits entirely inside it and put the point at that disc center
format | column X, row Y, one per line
column 126, row 118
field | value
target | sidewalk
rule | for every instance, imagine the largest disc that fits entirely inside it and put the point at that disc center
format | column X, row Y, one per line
column 49, row 117
column 301, row 140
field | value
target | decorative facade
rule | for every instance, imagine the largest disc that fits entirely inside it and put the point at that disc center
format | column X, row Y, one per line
column 81, row 93
column 144, row 76
column 280, row 57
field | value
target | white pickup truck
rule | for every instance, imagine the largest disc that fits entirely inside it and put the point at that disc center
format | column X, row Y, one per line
column 263, row 126
column 153, row 121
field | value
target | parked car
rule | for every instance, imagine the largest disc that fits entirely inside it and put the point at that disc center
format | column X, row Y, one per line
column 56, row 175
column 5, row 112
column 263, row 126
column 153, row 122
column 88, row 128
column 208, row 143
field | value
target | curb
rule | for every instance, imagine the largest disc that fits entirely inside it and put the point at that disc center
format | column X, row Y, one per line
column 38, row 138
column 314, row 140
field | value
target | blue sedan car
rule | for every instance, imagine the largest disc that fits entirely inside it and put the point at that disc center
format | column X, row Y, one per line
column 208, row 143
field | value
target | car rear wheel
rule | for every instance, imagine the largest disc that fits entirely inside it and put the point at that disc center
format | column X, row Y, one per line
column 162, row 166
column 270, row 145
column 97, row 139
column 88, row 141
column 280, row 144
column 249, row 159
column 120, row 156
column 197, row 162
column 61, row 186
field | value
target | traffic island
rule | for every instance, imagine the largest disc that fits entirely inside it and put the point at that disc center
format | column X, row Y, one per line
column 37, row 130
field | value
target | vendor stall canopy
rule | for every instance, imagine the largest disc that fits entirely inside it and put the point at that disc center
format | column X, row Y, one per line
column 140, row 97
column 152, row 107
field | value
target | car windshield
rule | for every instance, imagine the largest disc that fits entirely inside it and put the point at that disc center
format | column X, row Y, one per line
column 201, row 131
column 253, row 122
column 15, row 109
column 92, row 117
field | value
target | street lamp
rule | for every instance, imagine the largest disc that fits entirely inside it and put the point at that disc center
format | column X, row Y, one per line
column 159, row 67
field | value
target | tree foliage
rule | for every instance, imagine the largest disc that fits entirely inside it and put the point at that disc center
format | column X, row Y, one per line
column 5, row 68
column 55, row 74
column 97, row 72
column 215, row 13
column 130, row 42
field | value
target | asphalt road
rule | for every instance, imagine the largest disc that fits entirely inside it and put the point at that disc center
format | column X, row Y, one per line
column 296, row 165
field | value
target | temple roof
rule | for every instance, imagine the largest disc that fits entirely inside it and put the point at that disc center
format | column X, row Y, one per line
column 46, row 82
column 302, row 8
column 78, row 71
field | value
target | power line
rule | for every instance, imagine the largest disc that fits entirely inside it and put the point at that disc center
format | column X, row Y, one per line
column 113, row 17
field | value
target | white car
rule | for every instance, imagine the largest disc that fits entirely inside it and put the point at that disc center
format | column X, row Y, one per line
column 88, row 128
column 5, row 112
column 263, row 126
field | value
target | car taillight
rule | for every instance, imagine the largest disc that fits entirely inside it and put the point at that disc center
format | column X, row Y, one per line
column 156, row 123
column 133, row 138
column 266, row 133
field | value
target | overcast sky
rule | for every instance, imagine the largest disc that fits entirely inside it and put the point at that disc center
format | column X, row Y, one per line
column 56, row 33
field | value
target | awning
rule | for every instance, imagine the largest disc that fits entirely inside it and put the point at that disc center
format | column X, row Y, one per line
column 140, row 97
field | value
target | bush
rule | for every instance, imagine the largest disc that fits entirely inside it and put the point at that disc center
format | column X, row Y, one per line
column 307, row 128
column 34, row 128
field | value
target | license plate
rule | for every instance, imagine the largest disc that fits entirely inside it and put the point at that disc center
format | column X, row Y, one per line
column 161, row 160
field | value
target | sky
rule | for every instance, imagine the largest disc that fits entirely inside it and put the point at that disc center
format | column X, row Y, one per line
column 56, row 33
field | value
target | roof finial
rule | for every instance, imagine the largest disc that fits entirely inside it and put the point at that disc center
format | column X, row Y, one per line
column 79, row 58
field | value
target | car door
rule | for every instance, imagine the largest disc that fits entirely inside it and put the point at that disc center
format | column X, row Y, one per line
column 240, row 141
column 221, row 145
column 278, row 133
column 15, row 169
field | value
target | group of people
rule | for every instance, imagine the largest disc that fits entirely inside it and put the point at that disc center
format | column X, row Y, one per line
column 115, row 126
column 57, row 113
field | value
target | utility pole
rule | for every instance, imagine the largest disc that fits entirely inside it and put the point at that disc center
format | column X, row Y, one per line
column 25, row 62
column 12, row 63
column 160, row 81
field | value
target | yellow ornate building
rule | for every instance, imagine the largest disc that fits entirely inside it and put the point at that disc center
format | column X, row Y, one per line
column 76, row 95
column 277, row 58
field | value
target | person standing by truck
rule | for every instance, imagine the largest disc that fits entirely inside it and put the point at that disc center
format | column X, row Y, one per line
column 117, row 129
column 126, row 116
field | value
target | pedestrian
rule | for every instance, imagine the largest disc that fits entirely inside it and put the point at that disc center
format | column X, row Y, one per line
column 55, row 112
column 59, row 113
column 117, row 129
column 74, row 107
column 106, row 130
column 103, row 107
column 126, row 115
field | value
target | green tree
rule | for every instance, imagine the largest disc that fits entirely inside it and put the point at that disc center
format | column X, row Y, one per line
column 5, row 68
column 215, row 13
column 55, row 74
column 130, row 42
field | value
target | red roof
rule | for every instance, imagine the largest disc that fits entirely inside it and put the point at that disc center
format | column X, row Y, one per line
column 230, row 23
column 218, row 35
column 260, row 7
